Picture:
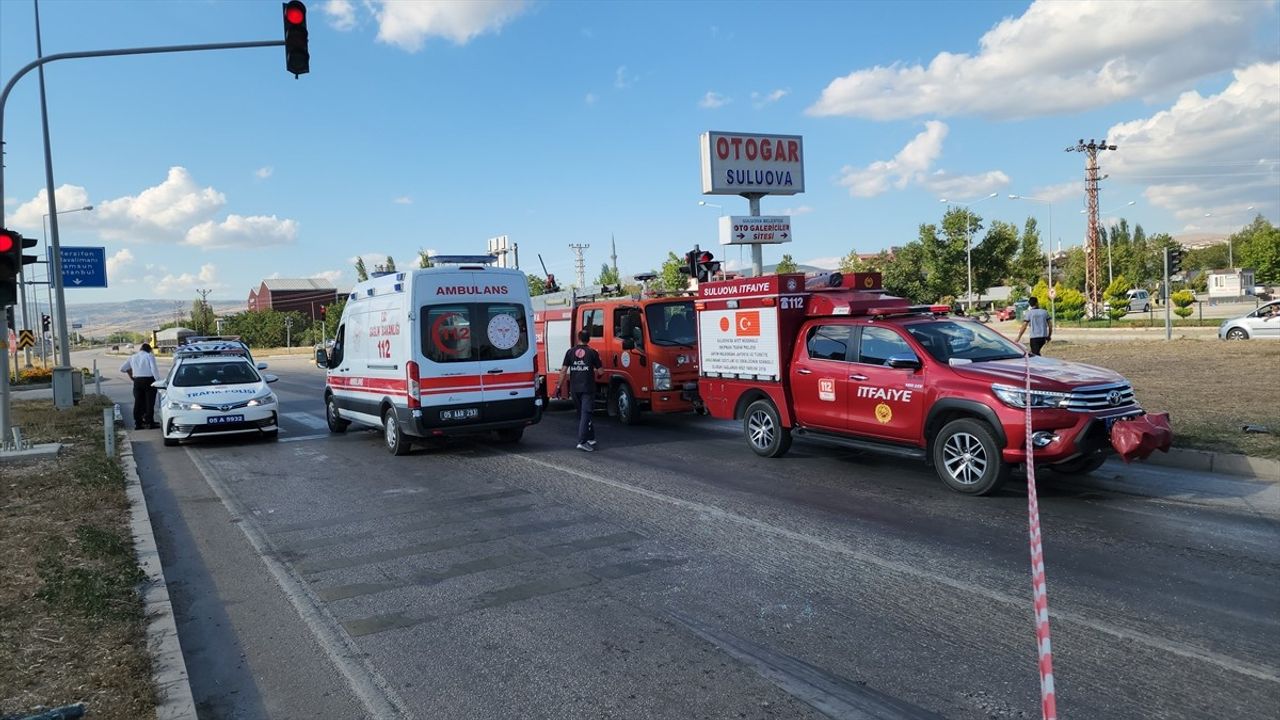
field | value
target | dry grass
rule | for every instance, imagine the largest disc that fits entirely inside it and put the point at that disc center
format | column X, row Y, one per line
column 1210, row 388
column 71, row 622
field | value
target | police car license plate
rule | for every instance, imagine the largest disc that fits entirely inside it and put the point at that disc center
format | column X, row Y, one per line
column 460, row 414
column 225, row 419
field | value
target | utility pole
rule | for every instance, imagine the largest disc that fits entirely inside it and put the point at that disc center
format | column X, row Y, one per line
column 580, row 263
column 1092, row 284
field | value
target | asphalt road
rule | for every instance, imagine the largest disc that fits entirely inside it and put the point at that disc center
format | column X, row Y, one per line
column 674, row 574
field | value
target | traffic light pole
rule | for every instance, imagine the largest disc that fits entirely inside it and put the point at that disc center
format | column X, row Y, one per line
column 56, row 268
column 1168, row 299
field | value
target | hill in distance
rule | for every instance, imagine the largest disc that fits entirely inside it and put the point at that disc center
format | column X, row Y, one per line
column 102, row 319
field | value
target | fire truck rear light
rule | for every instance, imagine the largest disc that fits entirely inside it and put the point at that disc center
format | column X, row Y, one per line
column 700, row 306
column 766, row 301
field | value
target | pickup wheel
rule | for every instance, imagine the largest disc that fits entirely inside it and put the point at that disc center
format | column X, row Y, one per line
column 765, row 433
column 1081, row 465
column 624, row 400
column 336, row 423
column 967, row 457
column 397, row 442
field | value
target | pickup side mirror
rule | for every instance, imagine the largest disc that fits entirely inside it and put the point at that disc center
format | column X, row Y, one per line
column 904, row 362
column 628, row 344
column 322, row 358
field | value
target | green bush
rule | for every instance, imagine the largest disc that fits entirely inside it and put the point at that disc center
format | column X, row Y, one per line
column 1117, row 295
column 1183, row 300
column 1070, row 303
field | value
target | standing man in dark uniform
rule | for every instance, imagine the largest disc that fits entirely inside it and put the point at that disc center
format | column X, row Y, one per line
column 142, row 370
column 579, row 368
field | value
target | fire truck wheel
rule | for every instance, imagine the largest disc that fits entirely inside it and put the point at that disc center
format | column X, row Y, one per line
column 967, row 457
column 765, row 433
column 397, row 442
column 336, row 424
column 624, row 399
column 1081, row 465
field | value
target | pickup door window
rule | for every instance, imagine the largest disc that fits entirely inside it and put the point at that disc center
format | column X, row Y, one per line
column 881, row 404
column 820, row 377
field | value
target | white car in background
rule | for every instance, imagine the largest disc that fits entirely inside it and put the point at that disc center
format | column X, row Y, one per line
column 211, row 394
column 1263, row 323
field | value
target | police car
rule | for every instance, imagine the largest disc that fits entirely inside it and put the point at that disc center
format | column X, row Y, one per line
column 215, row 389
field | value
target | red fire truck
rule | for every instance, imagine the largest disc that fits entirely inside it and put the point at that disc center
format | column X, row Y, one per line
column 839, row 361
column 648, row 347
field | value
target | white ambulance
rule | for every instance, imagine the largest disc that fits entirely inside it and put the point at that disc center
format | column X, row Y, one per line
column 435, row 352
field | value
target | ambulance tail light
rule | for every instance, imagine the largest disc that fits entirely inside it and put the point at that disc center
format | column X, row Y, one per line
column 415, row 389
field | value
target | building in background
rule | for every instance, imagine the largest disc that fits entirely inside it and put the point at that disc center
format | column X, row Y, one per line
column 1234, row 283
column 306, row 295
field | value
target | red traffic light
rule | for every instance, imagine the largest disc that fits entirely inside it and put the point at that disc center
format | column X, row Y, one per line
column 295, row 13
column 705, row 257
column 6, row 242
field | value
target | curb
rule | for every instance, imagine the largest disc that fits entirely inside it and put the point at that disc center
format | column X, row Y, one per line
column 169, row 670
column 1263, row 469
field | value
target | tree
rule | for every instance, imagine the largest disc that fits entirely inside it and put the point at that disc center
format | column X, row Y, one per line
column 424, row 259
column 390, row 265
column 1257, row 246
column 785, row 265
column 1069, row 303
column 993, row 257
column 1030, row 262
column 904, row 274
column 1073, row 269
column 945, row 256
column 202, row 318
column 1183, row 300
column 608, row 276
column 537, row 286
column 670, row 277
column 333, row 316
column 362, row 273
column 1117, row 296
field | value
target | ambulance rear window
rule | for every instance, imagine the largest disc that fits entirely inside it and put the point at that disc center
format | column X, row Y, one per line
column 467, row 332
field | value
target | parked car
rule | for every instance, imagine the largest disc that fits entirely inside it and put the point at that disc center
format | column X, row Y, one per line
column 1139, row 300
column 1261, row 323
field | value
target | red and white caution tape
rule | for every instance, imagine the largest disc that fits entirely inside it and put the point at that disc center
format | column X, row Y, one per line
column 1039, row 592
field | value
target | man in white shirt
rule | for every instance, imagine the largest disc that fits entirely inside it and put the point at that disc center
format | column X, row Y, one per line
column 141, row 368
column 1037, row 320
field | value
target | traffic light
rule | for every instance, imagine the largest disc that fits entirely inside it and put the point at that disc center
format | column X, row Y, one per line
column 46, row 323
column 10, row 265
column 297, row 59
column 1174, row 256
column 708, row 266
column 690, row 263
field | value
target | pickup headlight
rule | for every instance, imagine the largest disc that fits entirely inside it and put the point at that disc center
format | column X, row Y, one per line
column 1016, row 397
column 268, row 399
column 661, row 377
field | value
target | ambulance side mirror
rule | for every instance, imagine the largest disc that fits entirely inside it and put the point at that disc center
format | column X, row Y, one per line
column 322, row 358
column 904, row 362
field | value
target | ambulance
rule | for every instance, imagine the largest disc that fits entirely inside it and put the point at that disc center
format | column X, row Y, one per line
column 431, row 353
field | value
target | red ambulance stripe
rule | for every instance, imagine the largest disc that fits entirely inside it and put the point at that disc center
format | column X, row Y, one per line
column 371, row 384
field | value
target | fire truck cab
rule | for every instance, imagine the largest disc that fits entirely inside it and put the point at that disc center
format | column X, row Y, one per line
column 648, row 347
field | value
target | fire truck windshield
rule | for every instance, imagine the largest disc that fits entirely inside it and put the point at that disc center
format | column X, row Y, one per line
column 672, row 323
column 948, row 340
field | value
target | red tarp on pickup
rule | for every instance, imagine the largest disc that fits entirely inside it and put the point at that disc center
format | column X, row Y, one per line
column 1137, row 438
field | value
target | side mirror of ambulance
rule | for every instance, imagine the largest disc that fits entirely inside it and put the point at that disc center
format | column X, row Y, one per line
column 904, row 362
column 322, row 358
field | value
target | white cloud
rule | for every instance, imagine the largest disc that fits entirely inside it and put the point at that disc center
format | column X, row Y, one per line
column 1059, row 57
column 590, row 99
column 621, row 79
column 118, row 266
column 1215, row 154
column 162, row 213
column 1055, row 194
column 914, row 165
column 342, row 14
column 239, row 231
column 206, row 279
column 333, row 276
column 263, row 173
column 827, row 263
column 30, row 214
column 713, row 100
column 800, row 210
column 759, row 100
column 403, row 200
column 407, row 25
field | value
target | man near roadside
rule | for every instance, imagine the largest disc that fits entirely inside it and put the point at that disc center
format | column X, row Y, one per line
column 142, row 370
column 579, row 369
column 1037, row 320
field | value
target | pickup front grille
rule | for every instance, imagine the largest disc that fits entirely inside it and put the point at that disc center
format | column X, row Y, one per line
column 1102, row 398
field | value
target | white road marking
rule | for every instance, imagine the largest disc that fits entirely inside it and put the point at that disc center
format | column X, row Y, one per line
column 1225, row 662
column 300, row 438
column 374, row 691
column 307, row 419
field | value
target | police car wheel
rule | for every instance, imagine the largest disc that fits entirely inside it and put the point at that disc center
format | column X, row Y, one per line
column 170, row 442
column 765, row 433
column 625, row 402
column 336, row 423
column 397, row 442
column 968, row 459
column 271, row 436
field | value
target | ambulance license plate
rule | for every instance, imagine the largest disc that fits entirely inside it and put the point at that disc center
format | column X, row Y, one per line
column 225, row 419
column 460, row 414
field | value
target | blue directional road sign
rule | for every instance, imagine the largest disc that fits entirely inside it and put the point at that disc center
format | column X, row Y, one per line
column 84, row 267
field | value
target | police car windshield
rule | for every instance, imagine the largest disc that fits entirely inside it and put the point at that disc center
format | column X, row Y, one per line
column 672, row 323
column 948, row 340
column 229, row 372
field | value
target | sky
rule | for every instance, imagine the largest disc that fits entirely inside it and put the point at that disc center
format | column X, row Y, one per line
column 437, row 125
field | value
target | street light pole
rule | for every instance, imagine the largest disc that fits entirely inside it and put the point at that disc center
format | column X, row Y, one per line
column 968, row 241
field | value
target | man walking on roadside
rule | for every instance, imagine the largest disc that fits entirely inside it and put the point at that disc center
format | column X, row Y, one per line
column 142, row 370
column 579, row 368
column 1037, row 319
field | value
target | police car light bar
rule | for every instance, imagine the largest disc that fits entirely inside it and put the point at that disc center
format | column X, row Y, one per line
column 463, row 259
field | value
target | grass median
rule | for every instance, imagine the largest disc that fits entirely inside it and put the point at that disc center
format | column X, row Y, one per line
column 71, row 620
column 1210, row 388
